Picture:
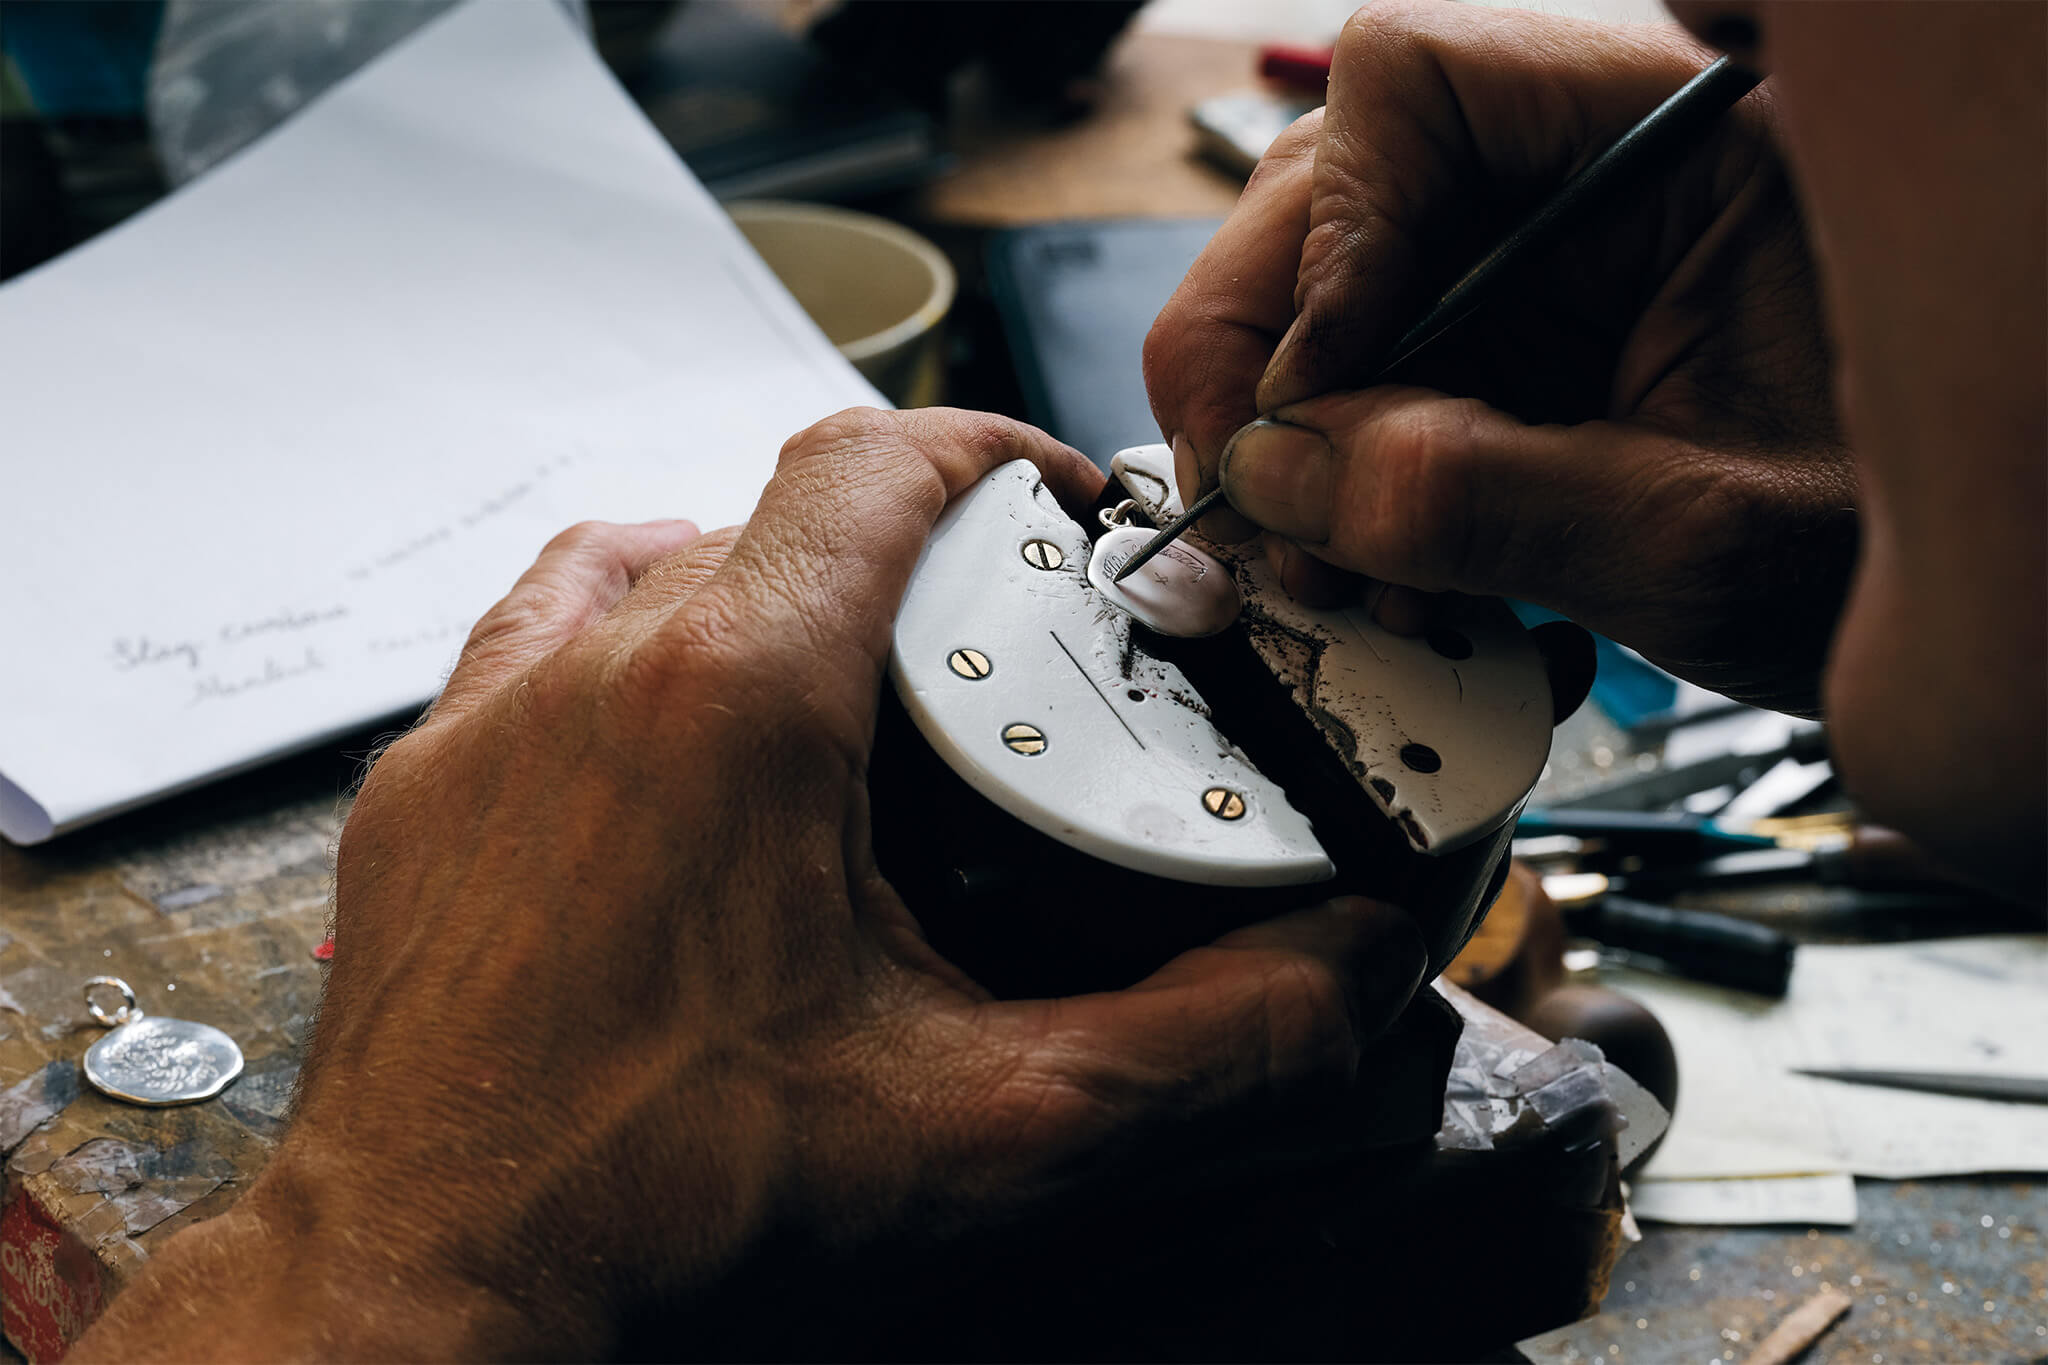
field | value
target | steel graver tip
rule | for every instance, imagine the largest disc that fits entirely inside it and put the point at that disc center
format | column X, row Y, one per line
column 1170, row 532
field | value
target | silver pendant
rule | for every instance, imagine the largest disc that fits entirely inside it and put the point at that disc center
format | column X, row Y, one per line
column 148, row 1060
column 1180, row 591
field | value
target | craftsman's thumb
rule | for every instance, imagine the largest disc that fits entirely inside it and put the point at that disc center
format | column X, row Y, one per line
column 1371, row 957
column 1276, row 1012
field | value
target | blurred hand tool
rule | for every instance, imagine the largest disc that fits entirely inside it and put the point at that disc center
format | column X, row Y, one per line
column 1973, row 1085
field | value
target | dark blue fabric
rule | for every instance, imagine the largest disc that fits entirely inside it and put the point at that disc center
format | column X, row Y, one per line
column 82, row 58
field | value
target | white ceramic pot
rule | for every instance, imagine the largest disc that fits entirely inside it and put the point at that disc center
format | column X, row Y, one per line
column 878, row 291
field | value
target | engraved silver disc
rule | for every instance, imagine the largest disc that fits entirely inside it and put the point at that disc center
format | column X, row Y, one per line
column 163, row 1061
column 1180, row 591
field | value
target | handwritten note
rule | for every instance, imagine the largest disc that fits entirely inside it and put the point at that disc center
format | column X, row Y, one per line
column 274, row 444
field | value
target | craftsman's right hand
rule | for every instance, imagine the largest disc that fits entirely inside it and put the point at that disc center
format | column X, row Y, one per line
column 1641, row 435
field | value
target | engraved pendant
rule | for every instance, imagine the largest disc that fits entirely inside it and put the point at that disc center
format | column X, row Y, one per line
column 1179, row 591
column 147, row 1060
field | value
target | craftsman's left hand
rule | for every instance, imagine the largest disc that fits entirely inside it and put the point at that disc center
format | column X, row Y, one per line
column 622, row 1013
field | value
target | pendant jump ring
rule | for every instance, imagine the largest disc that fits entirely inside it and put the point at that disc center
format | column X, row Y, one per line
column 1116, row 516
column 129, row 1010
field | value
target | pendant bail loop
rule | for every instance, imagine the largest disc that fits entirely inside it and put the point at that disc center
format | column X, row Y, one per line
column 1119, row 515
column 127, row 1014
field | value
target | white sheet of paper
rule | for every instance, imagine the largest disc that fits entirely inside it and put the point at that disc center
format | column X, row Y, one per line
column 1964, row 1004
column 273, row 445
column 1809, row 1200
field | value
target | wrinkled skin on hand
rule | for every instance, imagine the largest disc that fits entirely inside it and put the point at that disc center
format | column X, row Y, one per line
column 621, row 1011
column 1639, row 433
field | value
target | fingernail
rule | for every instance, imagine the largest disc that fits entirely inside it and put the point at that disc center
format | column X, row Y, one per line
column 1187, row 470
column 1280, row 475
column 1283, row 382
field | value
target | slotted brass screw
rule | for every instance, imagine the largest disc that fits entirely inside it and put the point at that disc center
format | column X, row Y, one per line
column 1043, row 554
column 1223, row 803
column 970, row 663
column 1024, row 739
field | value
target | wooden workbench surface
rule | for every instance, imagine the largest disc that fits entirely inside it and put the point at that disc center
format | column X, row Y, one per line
column 1132, row 157
column 210, row 906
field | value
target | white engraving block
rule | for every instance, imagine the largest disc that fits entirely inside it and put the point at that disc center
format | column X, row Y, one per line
column 989, row 644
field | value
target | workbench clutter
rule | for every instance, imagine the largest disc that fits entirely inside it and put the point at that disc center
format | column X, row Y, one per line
column 1732, row 923
column 1694, row 892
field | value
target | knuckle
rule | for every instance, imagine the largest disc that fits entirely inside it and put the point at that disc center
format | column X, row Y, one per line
column 939, row 437
column 1160, row 358
column 675, row 578
column 581, row 537
column 851, row 427
column 1425, row 475
column 867, row 448
column 1288, row 152
column 1306, row 1022
column 648, row 681
column 531, row 609
column 1375, row 28
column 552, row 698
column 896, row 461
column 1371, row 175
column 513, row 614
column 704, row 651
column 982, row 433
column 698, row 637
